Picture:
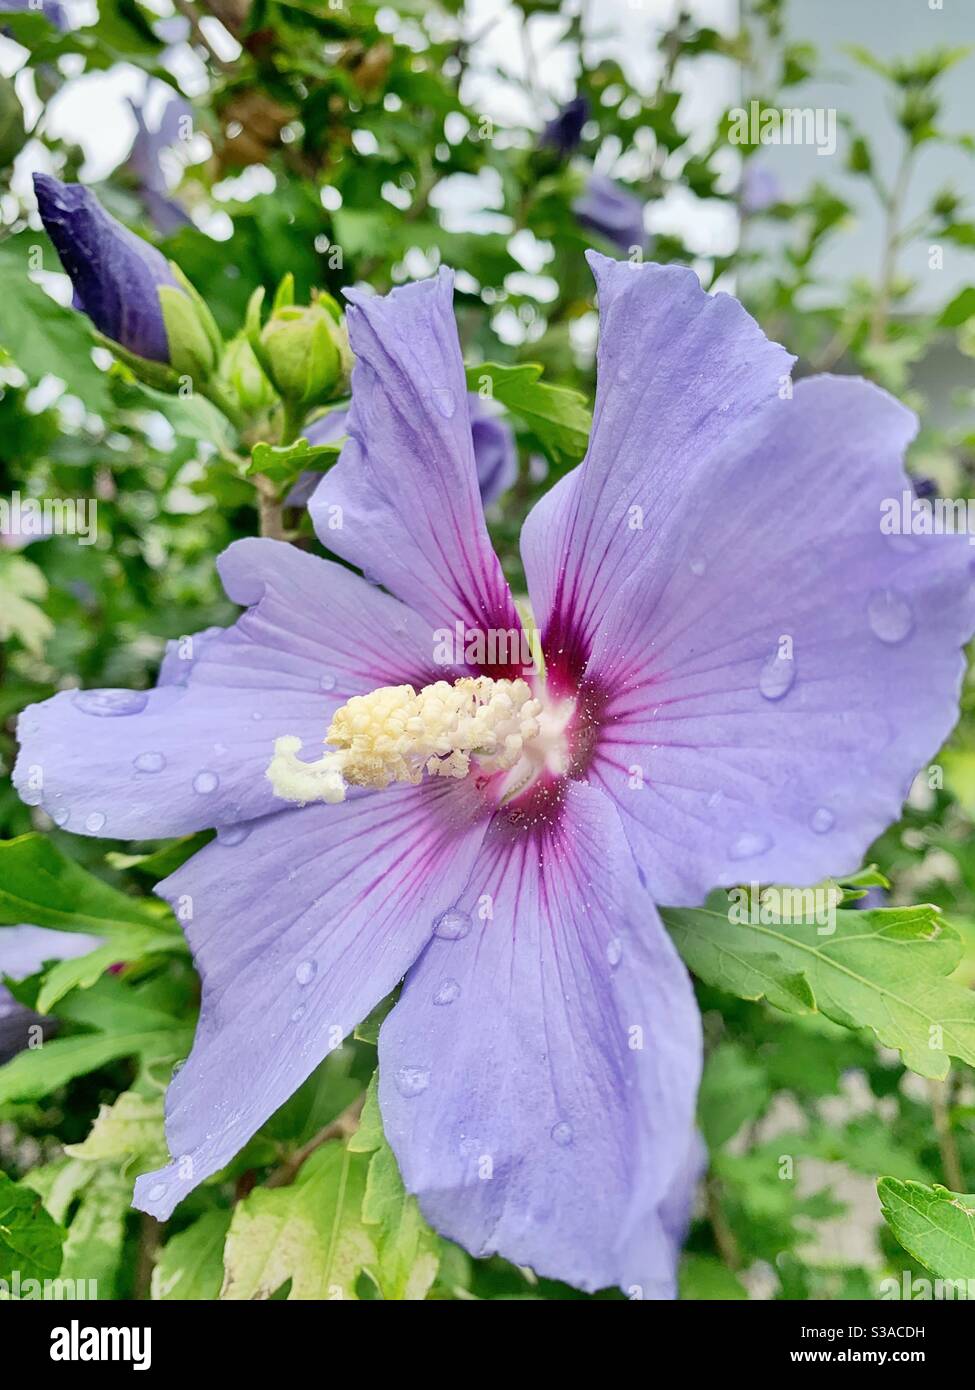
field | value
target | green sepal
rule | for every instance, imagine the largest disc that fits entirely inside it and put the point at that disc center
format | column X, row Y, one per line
column 194, row 343
column 159, row 375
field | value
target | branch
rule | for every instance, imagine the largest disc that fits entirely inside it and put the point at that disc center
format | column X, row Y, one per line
column 342, row 1127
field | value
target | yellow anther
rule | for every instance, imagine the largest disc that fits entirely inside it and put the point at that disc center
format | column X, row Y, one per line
column 395, row 734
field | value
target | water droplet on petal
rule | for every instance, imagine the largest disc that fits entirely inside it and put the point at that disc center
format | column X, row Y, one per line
column 94, row 822
column 327, row 682
column 447, row 992
column 306, row 972
column 157, row 1192
column 61, row 817
column 614, row 951
column 562, row 1133
column 777, row 676
column 443, row 399
column 822, row 820
column 889, row 615
column 205, row 782
column 149, row 762
column 452, row 925
column 750, row 844
column 298, row 1014
column 107, row 704
column 698, row 565
column 233, row 834
column 412, row 1081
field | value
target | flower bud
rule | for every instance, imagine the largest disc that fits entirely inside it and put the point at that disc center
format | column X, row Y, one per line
column 303, row 349
column 143, row 304
column 564, row 132
column 241, row 376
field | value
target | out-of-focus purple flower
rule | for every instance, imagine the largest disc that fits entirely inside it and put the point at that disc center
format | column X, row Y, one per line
column 164, row 212
column 737, row 691
column 564, row 132
column 52, row 11
column 325, row 430
column 611, row 211
column 495, row 451
column 761, row 187
column 23, row 950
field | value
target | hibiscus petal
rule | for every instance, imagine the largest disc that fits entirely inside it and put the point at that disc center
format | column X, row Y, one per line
column 538, row 1075
column 297, row 933
column 402, row 502
column 679, row 372
column 192, row 753
column 728, row 760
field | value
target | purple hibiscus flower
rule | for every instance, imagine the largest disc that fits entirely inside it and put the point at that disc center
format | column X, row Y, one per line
column 612, row 211
column 741, row 676
column 164, row 212
column 563, row 132
column 23, row 950
column 495, row 451
column 116, row 275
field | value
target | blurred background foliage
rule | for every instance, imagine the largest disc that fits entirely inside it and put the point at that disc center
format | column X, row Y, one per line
column 349, row 143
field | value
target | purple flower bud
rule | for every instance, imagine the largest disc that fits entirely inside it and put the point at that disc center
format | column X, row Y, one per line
column 612, row 212
column 116, row 275
column 564, row 132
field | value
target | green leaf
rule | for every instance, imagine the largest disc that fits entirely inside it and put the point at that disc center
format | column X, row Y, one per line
column 884, row 969
column 59, row 1184
column 960, row 310
column 162, row 862
column 734, row 1089
column 558, row 417
column 81, row 972
column 21, row 586
column 30, row 1241
column 961, row 233
column 408, row 1251
column 311, row 1233
column 702, row 1277
column 368, row 1030
column 190, row 1266
column 284, row 463
column 934, row 1225
column 41, row 335
column 127, row 1024
column 93, row 1247
column 40, row 885
column 131, row 1127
